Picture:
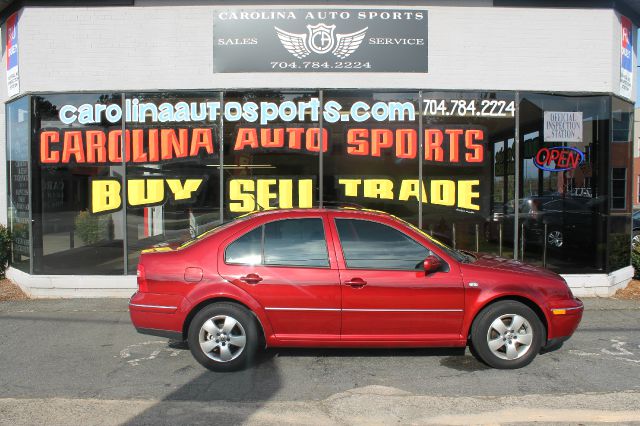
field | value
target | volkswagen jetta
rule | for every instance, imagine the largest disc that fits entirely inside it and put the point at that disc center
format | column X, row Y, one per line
column 345, row 278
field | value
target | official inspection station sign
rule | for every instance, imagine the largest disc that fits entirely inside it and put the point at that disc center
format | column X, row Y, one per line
column 562, row 126
column 320, row 40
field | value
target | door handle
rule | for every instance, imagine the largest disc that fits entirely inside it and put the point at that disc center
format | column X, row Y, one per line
column 251, row 278
column 356, row 282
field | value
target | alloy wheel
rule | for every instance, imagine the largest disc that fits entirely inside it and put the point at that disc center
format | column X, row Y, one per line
column 222, row 338
column 555, row 239
column 510, row 336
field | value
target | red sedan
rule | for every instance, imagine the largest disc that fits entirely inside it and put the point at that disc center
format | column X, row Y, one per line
column 345, row 278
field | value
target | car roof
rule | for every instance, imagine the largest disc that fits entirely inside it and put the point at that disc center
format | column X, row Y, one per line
column 237, row 221
column 271, row 212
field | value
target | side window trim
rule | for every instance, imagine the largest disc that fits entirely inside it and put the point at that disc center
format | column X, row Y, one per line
column 262, row 242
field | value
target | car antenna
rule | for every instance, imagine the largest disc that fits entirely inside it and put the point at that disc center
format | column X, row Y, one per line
column 260, row 207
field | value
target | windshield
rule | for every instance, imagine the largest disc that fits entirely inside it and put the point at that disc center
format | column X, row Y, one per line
column 459, row 255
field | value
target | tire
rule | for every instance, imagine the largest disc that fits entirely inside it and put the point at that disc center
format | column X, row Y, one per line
column 635, row 241
column 555, row 239
column 496, row 345
column 223, row 327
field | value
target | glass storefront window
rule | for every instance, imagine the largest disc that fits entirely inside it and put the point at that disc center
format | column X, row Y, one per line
column 469, row 143
column 563, row 203
column 18, row 179
column 271, row 163
column 67, row 157
column 373, row 162
column 188, row 157
column 80, row 201
column 621, row 155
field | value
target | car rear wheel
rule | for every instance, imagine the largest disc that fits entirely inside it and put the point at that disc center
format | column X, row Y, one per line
column 507, row 335
column 223, row 337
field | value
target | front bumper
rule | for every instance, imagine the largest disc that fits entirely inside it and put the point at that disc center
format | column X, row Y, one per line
column 564, row 319
column 554, row 344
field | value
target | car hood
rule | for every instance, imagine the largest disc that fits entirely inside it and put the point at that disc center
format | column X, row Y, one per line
column 486, row 261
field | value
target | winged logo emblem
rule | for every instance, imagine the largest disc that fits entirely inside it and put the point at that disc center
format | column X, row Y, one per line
column 320, row 39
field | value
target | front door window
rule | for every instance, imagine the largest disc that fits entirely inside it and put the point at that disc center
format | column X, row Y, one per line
column 372, row 245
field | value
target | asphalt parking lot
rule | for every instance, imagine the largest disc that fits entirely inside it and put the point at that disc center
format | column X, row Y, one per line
column 81, row 362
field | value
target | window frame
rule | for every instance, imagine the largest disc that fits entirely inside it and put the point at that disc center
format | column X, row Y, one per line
column 611, row 187
column 262, row 240
column 628, row 129
column 344, row 258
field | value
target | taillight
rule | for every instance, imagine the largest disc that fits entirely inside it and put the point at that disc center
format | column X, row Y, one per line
column 142, row 279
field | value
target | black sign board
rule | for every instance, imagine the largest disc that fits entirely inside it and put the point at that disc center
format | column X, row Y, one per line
column 320, row 40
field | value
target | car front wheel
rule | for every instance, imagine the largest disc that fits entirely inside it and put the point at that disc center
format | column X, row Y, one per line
column 223, row 337
column 507, row 335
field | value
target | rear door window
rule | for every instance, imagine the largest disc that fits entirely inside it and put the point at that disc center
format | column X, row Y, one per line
column 289, row 242
column 295, row 242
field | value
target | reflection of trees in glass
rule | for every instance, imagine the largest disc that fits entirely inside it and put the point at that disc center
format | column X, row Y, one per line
column 44, row 108
column 5, row 249
column 109, row 98
column 619, row 254
column 260, row 97
column 91, row 228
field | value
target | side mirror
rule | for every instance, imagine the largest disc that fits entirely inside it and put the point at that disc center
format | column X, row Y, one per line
column 431, row 264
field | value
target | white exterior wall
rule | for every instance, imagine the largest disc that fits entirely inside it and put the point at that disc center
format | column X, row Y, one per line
column 157, row 45
column 154, row 47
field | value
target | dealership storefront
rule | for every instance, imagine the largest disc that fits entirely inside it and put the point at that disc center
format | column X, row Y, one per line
column 470, row 122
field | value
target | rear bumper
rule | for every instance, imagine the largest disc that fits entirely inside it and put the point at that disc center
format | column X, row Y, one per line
column 158, row 314
column 564, row 319
column 173, row 335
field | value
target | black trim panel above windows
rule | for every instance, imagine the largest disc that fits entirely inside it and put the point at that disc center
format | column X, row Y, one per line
column 585, row 4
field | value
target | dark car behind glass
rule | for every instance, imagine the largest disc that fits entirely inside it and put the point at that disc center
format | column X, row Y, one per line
column 570, row 222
